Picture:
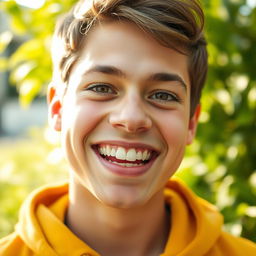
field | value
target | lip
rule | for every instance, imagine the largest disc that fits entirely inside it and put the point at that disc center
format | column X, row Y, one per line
column 133, row 171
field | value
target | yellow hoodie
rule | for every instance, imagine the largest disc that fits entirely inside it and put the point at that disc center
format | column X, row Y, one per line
column 196, row 228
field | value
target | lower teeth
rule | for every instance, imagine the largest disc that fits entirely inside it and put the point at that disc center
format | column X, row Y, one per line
column 126, row 164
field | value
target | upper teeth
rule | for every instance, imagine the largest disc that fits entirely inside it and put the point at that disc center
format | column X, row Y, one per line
column 123, row 154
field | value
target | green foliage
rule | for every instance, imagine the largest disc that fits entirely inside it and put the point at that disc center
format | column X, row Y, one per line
column 25, row 165
column 30, row 65
column 221, row 164
column 224, row 171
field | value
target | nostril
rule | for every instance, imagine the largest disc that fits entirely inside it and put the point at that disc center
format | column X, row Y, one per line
column 137, row 122
column 132, row 127
column 142, row 129
column 119, row 125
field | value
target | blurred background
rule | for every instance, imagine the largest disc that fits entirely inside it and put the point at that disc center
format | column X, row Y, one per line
column 220, row 165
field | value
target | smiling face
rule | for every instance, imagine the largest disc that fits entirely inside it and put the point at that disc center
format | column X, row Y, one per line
column 124, row 118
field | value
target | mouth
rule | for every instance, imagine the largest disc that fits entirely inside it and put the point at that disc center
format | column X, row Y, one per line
column 128, row 159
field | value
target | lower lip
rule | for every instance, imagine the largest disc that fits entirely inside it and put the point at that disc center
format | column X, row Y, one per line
column 125, row 171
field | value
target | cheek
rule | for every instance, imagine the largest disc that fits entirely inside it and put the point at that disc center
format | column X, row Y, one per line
column 174, row 128
column 78, row 121
column 81, row 118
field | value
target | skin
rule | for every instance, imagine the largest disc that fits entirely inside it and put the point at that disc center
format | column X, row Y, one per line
column 133, row 105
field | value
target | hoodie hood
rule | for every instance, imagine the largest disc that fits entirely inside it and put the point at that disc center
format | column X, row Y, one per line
column 195, row 224
column 42, row 228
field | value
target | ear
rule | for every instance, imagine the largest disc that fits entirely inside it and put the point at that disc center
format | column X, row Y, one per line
column 193, row 124
column 54, row 108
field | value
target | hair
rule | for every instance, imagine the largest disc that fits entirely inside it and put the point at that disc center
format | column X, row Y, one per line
column 177, row 24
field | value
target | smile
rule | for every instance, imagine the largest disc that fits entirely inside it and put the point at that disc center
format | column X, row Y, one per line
column 125, row 156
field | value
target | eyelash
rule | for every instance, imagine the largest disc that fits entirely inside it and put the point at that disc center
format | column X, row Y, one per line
column 94, row 88
column 170, row 97
column 155, row 95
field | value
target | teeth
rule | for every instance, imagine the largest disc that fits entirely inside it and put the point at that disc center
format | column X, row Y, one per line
column 122, row 164
column 113, row 152
column 130, row 165
column 126, row 164
column 139, row 155
column 122, row 154
column 102, row 151
column 144, row 155
column 131, row 155
column 108, row 149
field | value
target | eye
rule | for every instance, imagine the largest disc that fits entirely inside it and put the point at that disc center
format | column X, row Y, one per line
column 164, row 97
column 103, row 89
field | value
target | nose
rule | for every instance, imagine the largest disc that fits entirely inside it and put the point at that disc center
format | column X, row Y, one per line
column 130, row 116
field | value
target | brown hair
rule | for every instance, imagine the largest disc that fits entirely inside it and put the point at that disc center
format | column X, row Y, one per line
column 177, row 24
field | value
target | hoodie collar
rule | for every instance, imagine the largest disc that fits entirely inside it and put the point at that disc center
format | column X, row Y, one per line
column 195, row 224
column 41, row 224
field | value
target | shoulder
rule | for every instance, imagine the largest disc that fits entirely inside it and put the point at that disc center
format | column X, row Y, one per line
column 208, row 237
column 228, row 245
column 13, row 245
column 236, row 246
column 28, row 239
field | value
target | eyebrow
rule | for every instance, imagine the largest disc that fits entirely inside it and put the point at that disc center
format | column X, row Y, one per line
column 168, row 77
column 158, row 77
column 109, row 70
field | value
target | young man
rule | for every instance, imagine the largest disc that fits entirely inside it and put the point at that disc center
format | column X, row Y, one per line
column 125, row 98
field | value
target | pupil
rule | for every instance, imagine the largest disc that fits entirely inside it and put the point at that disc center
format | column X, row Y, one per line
column 102, row 89
column 162, row 96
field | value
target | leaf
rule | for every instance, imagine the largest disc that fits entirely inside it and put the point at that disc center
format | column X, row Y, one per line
column 28, row 89
column 27, row 51
column 21, row 72
column 5, row 38
column 3, row 64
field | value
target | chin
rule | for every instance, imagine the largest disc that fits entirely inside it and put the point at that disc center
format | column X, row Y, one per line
column 122, row 199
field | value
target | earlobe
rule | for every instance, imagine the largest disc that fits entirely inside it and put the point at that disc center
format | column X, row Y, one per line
column 54, row 109
column 193, row 124
column 50, row 93
column 55, row 114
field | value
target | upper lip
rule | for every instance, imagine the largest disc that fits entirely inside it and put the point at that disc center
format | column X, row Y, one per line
column 128, row 145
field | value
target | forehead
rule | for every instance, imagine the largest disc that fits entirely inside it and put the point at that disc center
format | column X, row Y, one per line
column 126, row 46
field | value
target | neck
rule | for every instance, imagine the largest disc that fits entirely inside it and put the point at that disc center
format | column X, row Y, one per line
column 139, row 231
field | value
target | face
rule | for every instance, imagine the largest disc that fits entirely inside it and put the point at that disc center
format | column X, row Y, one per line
column 124, row 118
